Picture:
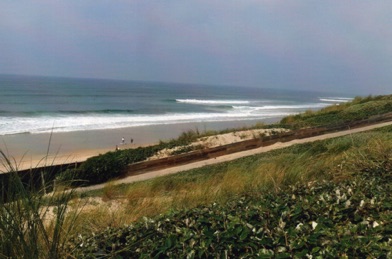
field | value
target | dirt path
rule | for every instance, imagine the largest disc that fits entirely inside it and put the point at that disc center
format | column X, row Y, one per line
column 181, row 168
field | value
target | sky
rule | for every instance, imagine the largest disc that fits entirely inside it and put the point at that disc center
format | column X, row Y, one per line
column 343, row 46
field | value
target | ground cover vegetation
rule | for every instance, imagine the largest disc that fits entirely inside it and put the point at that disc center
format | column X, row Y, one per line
column 321, row 219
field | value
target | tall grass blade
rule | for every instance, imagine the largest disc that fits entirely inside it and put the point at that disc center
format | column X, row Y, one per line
column 32, row 224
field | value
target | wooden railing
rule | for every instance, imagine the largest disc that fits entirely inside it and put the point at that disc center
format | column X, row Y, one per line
column 207, row 153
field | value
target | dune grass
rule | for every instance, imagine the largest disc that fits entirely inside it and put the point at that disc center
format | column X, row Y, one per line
column 33, row 224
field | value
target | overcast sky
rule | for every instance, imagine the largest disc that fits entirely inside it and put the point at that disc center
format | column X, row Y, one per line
column 343, row 46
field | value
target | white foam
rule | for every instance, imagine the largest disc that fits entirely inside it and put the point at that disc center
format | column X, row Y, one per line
column 212, row 102
column 336, row 99
column 82, row 122
column 276, row 107
column 47, row 124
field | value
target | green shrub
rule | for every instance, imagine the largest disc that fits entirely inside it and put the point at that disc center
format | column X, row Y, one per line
column 100, row 169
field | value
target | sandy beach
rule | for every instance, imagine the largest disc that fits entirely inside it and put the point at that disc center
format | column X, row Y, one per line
column 30, row 150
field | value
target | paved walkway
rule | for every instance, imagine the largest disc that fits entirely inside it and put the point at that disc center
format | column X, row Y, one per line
column 181, row 168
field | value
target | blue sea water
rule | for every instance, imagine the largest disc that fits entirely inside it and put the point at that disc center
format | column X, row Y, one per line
column 31, row 104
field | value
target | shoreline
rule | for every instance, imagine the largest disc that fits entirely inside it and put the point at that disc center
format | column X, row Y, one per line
column 31, row 150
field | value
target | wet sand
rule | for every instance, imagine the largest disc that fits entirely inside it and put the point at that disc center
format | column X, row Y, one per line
column 31, row 150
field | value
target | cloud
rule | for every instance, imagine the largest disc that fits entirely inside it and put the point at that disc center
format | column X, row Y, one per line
column 287, row 44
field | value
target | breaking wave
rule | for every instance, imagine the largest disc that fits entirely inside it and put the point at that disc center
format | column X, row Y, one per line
column 211, row 102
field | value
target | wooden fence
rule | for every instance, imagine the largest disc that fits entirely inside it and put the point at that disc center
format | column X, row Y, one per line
column 207, row 153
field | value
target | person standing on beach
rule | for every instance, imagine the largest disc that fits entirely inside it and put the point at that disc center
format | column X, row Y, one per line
column 131, row 140
column 123, row 141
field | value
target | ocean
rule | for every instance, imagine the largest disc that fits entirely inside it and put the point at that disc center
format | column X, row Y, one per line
column 31, row 104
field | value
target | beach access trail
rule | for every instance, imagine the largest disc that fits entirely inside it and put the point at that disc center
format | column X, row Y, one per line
column 233, row 156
